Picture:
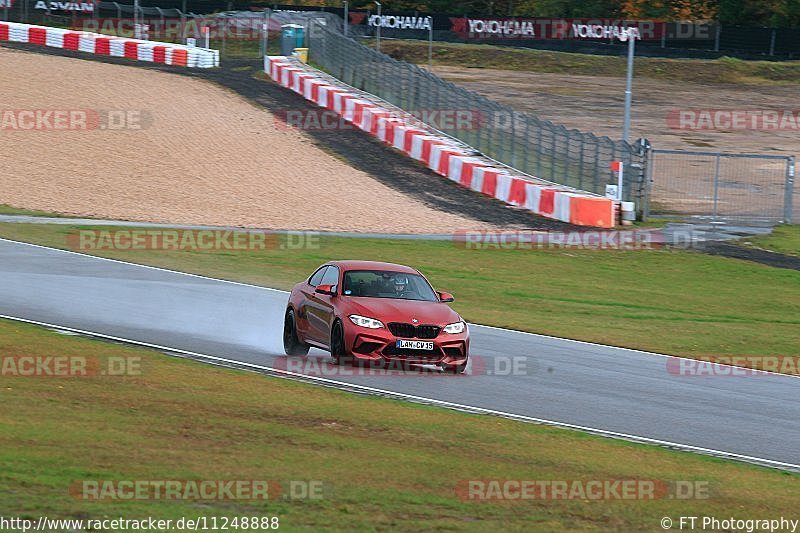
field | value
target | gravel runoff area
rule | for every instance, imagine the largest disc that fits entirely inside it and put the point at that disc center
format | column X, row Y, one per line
column 595, row 103
column 209, row 152
column 680, row 185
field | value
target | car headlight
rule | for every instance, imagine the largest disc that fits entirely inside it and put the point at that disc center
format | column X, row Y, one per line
column 366, row 322
column 457, row 327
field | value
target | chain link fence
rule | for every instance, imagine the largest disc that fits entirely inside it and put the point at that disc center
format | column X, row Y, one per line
column 736, row 187
column 522, row 141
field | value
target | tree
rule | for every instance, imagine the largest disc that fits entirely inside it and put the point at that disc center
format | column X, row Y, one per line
column 776, row 13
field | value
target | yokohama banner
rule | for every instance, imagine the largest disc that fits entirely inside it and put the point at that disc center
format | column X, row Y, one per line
column 400, row 22
column 542, row 28
column 492, row 28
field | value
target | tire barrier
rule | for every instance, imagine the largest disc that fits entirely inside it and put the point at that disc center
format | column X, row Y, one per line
column 440, row 153
column 99, row 44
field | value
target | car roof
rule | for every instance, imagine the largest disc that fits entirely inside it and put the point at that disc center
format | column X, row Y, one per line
column 372, row 265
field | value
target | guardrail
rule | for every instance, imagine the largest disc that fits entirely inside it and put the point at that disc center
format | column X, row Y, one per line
column 442, row 154
column 522, row 141
column 107, row 45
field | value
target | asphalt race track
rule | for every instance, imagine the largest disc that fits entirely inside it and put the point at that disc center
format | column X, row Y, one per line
column 582, row 384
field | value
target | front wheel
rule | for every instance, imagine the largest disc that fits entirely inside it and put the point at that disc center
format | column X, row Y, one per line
column 338, row 351
column 291, row 344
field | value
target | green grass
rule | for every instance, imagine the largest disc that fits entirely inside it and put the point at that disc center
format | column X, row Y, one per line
column 10, row 210
column 383, row 464
column 784, row 239
column 676, row 302
column 725, row 70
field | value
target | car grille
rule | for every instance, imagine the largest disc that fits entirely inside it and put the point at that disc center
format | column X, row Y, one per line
column 410, row 331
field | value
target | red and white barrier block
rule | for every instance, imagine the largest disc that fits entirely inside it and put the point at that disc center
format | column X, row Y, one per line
column 440, row 153
column 105, row 45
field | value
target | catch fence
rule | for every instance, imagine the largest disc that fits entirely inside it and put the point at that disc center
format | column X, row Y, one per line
column 522, row 141
column 723, row 187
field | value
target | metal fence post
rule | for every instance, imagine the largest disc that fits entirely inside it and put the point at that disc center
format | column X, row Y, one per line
column 136, row 19
column 513, row 139
column 160, row 16
column 406, row 94
column 553, row 152
column 526, row 145
column 346, row 17
column 772, row 43
column 183, row 22
column 626, row 125
column 716, row 186
column 716, row 38
column 430, row 44
column 479, row 119
column 378, row 28
column 489, row 133
column 580, row 163
column 224, row 31
column 566, row 158
column 639, row 162
column 538, row 149
column 788, row 192
column 268, row 15
column 649, row 164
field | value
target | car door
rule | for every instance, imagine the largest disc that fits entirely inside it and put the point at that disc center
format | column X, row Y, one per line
column 304, row 321
column 321, row 308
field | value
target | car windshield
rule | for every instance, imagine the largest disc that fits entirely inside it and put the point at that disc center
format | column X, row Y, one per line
column 387, row 284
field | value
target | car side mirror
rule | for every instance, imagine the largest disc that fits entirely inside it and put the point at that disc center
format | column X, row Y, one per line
column 445, row 297
column 326, row 289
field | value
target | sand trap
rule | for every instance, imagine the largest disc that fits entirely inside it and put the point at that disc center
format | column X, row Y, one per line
column 204, row 156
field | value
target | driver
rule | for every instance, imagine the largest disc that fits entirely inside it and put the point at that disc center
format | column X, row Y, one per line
column 401, row 287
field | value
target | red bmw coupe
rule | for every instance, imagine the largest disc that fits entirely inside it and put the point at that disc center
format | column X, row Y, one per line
column 376, row 313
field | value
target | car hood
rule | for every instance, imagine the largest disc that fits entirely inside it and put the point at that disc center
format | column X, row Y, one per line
column 395, row 310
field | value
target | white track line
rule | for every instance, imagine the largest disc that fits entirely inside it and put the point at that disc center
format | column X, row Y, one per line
column 419, row 399
column 261, row 287
column 143, row 266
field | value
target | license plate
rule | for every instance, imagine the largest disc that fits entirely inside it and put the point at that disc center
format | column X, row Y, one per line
column 414, row 345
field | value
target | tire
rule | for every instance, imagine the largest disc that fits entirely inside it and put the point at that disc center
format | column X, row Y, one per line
column 338, row 350
column 291, row 344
